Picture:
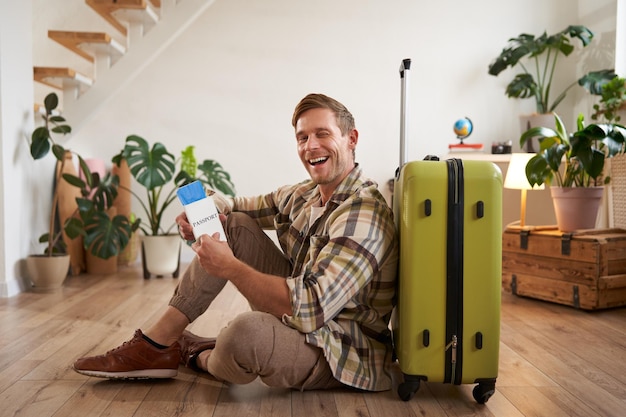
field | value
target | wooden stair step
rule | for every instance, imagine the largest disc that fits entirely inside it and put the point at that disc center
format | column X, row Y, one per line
column 58, row 77
column 117, row 11
column 88, row 44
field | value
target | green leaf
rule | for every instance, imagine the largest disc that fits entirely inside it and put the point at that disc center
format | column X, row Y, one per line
column 74, row 228
column 216, row 177
column 522, row 86
column 554, row 156
column 40, row 144
column 537, row 170
column 62, row 129
column 105, row 237
column 183, row 178
column 84, row 168
column 560, row 129
column 595, row 166
column 539, row 131
column 51, row 102
column 59, row 152
column 188, row 161
column 74, row 180
column 595, row 81
column 152, row 168
column 516, row 49
column 105, row 192
column 580, row 32
column 56, row 119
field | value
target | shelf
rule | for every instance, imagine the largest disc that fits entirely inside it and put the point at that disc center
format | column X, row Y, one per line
column 480, row 156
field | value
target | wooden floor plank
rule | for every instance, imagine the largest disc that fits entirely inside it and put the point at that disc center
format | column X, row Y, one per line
column 128, row 396
column 350, row 405
column 516, row 371
column 37, row 398
column 499, row 405
column 554, row 362
column 578, row 344
column 313, row 403
column 457, row 401
column 536, row 401
column 91, row 399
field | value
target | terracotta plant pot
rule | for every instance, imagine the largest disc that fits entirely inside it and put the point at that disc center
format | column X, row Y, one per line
column 99, row 266
column 576, row 208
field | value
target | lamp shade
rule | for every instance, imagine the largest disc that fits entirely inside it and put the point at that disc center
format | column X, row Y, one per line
column 516, row 173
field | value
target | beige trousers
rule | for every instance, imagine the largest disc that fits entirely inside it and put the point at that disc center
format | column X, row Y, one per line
column 254, row 344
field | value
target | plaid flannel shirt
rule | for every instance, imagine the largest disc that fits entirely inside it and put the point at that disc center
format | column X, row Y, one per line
column 344, row 272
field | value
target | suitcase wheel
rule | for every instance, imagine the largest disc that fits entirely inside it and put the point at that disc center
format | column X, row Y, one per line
column 408, row 388
column 483, row 391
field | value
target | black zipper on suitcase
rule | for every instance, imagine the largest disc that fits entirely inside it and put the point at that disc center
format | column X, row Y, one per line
column 454, row 273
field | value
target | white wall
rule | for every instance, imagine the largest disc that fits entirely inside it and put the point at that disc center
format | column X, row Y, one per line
column 229, row 84
column 21, row 195
column 620, row 50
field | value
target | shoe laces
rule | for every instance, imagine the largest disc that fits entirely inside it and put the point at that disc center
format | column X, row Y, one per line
column 127, row 343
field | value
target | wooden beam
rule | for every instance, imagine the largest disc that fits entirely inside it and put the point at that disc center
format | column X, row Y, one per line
column 48, row 76
column 106, row 8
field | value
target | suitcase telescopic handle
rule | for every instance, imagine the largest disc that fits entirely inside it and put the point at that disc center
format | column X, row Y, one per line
column 405, row 66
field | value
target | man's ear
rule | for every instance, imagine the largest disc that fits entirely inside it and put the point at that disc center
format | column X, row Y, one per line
column 353, row 138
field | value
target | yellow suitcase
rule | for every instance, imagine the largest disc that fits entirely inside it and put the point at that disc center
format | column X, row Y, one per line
column 449, row 218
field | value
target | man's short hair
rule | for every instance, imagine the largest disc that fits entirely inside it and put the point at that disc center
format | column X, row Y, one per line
column 345, row 120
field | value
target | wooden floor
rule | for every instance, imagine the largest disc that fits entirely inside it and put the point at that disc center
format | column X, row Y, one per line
column 554, row 361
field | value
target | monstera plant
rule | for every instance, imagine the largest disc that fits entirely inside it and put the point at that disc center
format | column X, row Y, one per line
column 154, row 168
column 537, row 58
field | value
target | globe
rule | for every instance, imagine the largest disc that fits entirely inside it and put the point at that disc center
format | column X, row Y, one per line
column 463, row 128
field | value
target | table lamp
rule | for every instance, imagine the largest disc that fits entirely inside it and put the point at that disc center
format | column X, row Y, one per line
column 516, row 179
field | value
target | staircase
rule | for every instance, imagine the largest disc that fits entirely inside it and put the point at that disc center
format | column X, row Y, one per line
column 148, row 27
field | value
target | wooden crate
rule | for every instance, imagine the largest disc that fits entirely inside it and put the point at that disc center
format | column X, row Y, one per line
column 586, row 270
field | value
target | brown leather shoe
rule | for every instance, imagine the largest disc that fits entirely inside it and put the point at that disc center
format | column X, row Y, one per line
column 191, row 346
column 134, row 359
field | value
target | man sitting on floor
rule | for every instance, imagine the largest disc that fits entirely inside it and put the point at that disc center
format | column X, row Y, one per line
column 321, row 306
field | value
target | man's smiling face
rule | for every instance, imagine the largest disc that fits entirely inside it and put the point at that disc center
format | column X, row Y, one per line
column 326, row 154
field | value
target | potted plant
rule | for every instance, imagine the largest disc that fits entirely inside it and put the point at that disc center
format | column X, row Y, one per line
column 537, row 57
column 573, row 165
column 154, row 169
column 103, row 237
column 105, row 233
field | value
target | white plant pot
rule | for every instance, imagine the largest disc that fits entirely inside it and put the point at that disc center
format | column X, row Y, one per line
column 161, row 255
column 47, row 273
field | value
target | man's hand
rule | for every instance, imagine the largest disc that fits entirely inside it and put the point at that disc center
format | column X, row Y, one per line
column 265, row 292
column 184, row 227
column 215, row 256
